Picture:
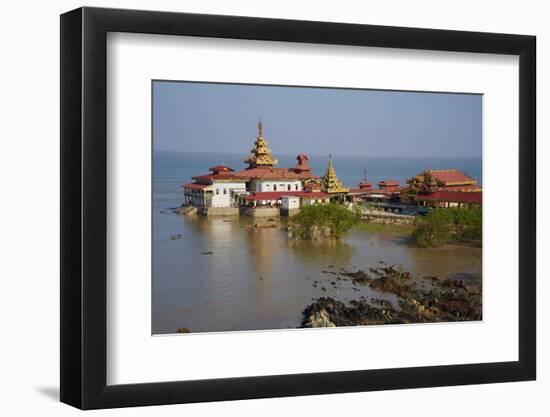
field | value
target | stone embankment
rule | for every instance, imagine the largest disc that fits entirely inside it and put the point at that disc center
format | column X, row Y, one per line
column 185, row 210
column 207, row 211
column 383, row 217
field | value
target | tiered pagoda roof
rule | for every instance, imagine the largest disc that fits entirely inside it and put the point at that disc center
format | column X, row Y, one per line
column 260, row 154
column 261, row 161
column 330, row 182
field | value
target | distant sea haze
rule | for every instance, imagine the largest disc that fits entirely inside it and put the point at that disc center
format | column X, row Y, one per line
column 181, row 166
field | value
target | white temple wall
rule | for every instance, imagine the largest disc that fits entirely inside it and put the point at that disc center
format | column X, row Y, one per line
column 222, row 193
column 289, row 203
column 261, row 186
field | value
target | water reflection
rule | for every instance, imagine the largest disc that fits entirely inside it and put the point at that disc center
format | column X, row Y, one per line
column 329, row 251
column 227, row 274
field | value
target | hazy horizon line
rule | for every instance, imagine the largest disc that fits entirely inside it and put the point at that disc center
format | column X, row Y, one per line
column 276, row 154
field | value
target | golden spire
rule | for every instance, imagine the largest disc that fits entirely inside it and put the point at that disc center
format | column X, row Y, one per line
column 330, row 182
column 260, row 154
column 260, row 127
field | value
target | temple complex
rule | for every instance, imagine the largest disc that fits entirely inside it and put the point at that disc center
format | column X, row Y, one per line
column 259, row 185
column 261, row 188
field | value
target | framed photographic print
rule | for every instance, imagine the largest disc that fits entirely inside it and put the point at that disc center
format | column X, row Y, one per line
column 258, row 207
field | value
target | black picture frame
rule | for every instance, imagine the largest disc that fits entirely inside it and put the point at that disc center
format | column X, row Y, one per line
column 84, row 207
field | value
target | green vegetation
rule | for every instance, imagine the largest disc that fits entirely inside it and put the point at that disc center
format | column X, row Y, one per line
column 323, row 220
column 444, row 225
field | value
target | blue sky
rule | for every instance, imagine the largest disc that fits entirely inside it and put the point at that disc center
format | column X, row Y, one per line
column 202, row 117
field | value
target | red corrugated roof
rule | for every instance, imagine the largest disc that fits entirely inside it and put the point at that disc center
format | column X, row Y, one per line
column 388, row 182
column 361, row 190
column 220, row 168
column 194, row 186
column 392, row 190
column 218, row 177
column 452, row 197
column 459, row 187
column 365, row 184
column 315, row 195
column 451, row 176
column 268, row 173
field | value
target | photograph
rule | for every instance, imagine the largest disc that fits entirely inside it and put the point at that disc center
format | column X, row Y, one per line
column 297, row 207
column 248, row 208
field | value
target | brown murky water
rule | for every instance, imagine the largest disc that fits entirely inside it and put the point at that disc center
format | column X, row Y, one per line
column 226, row 274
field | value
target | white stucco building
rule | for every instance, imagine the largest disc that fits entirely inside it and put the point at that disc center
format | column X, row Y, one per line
column 269, row 185
column 290, row 202
column 218, row 189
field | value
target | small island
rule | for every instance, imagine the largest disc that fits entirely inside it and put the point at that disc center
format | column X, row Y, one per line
column 340, row 207
column 434, row 208
column 263, row 190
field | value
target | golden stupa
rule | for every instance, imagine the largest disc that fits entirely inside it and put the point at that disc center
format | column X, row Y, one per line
column 330, row 182
column 260, row 154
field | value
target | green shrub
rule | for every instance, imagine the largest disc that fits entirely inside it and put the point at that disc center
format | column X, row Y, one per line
column 442, row 225
column 331, row 220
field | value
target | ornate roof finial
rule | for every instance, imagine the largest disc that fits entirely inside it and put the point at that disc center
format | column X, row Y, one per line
column 260, row 127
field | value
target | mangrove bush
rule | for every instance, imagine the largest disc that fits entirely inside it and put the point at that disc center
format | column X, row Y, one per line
column 444, row 225
column 323, row 220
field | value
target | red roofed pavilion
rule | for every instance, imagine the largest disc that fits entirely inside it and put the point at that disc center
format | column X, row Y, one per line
column 443, row 179
column 451, row 198
column 388, row 186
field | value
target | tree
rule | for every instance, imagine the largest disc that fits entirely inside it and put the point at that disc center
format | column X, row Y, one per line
column 442, row 225
column 323, row 220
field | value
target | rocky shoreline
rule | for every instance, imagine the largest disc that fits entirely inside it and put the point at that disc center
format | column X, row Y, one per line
column 424, row 300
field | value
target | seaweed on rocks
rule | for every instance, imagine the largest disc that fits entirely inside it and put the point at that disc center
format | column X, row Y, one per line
column 359, row 277
column 445, row 300
column 336, row 313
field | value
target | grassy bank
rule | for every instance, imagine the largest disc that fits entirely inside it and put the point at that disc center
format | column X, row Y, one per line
column 390, row 229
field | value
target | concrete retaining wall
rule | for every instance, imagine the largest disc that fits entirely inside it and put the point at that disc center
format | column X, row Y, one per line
column 260, row 211
column 219, row 211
